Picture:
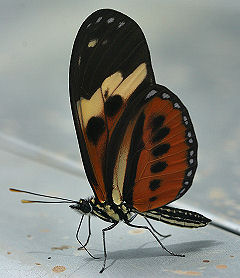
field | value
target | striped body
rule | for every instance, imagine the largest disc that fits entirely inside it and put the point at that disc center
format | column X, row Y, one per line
column 110, row 212
column 115, row 213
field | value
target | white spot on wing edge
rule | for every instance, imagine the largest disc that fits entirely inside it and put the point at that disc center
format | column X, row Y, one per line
column 191, row 161
column 189, row 173
column 165, row 95
column 121, row 24
column 176, row 105
column 99, row 19
column 151, row 93
column 185, row 119
column 110, row 20
column 181, row 191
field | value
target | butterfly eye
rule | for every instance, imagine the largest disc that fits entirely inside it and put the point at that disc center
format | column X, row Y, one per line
column 82, row 206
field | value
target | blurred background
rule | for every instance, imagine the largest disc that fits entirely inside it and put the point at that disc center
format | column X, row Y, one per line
column 194, row 47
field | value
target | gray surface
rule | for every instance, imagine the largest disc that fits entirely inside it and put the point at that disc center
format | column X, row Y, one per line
column 195, row 52
column 30, row 232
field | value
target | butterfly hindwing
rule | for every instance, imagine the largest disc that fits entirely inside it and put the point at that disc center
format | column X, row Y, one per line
column 110, row 65
column 157, row 157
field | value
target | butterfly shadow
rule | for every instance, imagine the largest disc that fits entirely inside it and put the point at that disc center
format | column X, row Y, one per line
column 149, row 252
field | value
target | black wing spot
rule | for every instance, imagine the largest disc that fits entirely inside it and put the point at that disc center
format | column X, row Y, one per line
column 161, row 149
column 106, row 93
column 113, row 105
column 160, row 134
column 154, row 185
column 158, row 167
column 152, row 199
column 95, row 128
column 157, row 122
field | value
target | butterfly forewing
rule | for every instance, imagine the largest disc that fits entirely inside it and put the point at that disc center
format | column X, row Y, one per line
column 110, row 65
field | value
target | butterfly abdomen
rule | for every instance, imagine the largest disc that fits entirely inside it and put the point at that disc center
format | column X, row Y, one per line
column 177, row 217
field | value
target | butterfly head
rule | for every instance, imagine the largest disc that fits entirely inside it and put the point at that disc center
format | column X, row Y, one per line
column 83, row 206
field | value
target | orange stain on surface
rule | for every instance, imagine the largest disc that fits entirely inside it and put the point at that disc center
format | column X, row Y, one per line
column 190, row 273
column 136, row 231
column 60, row 247
column 59, row 268
column 221, row 266
column 44, row 231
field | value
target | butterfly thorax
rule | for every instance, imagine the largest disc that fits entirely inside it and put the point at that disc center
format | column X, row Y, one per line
column 109, row 212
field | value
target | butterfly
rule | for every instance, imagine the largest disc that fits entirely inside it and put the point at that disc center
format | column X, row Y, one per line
column 136, row 138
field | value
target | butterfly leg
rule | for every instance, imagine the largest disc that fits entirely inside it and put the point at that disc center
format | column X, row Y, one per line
column 83, row 246
column 104, row 244
column 133, row 217
column 89, row 233
column 147, row 228
column 149, row 223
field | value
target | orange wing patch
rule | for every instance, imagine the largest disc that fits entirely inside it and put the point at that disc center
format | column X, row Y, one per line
column 95, row 134
column 164, row 160
column 99, row 115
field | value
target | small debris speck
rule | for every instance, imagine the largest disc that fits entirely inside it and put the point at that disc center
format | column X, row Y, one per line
column 206, row 261
column 9, row 253
column 44, row 231
column 37, row 264
column 189, row 273
column 59, row 268
column 60, row 247
column 136, row 231
column 49, row 258
column 221, row 266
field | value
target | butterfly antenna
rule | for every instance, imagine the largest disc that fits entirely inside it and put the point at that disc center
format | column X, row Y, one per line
column 63, row 200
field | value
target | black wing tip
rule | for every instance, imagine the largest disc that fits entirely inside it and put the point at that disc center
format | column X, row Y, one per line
column 109, row 12
column 207, row 220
